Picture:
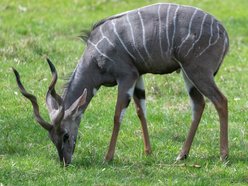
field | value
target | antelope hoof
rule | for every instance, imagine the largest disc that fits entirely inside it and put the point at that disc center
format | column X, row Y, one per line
column 182, row 157
column 148, row 152
column 224, row 157
column 109, row 158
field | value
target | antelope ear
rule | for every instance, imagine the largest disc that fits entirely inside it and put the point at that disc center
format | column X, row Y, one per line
column 74, row 108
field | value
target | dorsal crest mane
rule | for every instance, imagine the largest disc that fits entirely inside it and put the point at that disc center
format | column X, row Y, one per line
column 85, row 34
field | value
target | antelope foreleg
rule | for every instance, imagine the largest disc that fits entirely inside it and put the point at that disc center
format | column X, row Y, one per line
column 198, row 105
column 139, row 99
column 125, row 92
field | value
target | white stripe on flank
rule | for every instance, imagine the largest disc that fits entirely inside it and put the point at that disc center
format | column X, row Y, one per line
column 199, row 37
column 105, row 37
column 218, row 28
column 224, row 46
column 189, row 30
column 167, row 27
column 99, row 51
column 124, row 46
column 174, row 24
column 210, row 39
column 160, row 32
column 131, row 28
column 143, row 34
column 211, row 30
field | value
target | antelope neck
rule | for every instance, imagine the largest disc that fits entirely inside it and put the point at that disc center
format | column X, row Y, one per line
column 81, row 79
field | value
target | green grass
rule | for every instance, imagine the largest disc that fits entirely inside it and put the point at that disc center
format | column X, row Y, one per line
column 31, row 30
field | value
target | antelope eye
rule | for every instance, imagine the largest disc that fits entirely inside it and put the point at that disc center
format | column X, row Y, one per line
column 66, row 137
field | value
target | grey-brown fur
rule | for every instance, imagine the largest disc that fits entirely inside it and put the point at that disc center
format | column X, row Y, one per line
column 170, row 36
column 158, row 39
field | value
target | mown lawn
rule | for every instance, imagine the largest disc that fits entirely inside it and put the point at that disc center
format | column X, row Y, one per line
column 32, row 30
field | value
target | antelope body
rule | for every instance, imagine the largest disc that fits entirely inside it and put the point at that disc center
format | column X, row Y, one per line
column 158, row 39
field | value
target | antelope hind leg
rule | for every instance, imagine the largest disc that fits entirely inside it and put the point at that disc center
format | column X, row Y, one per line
column 197, row 106
column 208, row 88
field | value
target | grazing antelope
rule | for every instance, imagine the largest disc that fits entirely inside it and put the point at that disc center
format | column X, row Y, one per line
column 158, row 39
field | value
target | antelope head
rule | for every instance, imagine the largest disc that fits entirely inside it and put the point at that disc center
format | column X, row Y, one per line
column 63, row 127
